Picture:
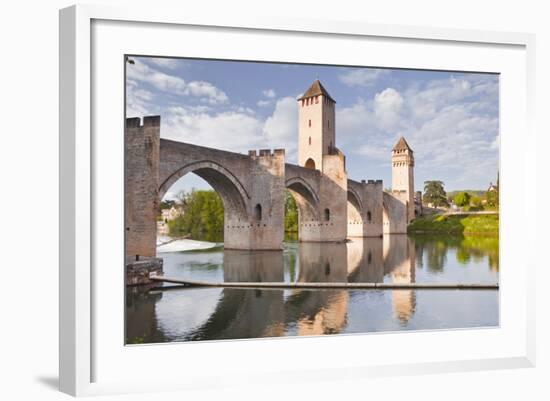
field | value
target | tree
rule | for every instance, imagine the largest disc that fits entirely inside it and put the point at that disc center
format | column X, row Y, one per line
column 291, row 213
column 475, row 201
column 492, row 198
column 434, row 193
column 167, row 204
column 201, row 218
column 462, row 199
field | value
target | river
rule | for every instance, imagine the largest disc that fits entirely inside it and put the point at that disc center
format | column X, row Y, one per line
column 188, row 314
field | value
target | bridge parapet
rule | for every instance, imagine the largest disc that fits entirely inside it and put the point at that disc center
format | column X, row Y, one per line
column 266, row 153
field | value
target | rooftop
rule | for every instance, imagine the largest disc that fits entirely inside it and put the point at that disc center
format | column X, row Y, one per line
column 402, row 145
column 316, row 89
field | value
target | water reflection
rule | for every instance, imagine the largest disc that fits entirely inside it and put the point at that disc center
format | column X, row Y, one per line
column 229, row 313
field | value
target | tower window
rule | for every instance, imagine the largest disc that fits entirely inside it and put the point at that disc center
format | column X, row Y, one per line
column 316, row 99
column 310, row 140
column 328, row 123
column 310, row 123
column 310, row 164
column 327, row 214
column 258, row 212
column 303, row 102
column 369, row 217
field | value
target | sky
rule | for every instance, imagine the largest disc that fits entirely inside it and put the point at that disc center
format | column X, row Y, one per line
column 450, row 119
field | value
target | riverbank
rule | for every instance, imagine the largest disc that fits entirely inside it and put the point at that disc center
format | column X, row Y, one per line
column 467, row 224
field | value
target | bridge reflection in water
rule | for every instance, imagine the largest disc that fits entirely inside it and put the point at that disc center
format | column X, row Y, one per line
column 231, row 313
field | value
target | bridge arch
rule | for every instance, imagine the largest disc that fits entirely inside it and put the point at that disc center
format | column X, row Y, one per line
column 355, row 199
column 355, row 214
column 233, row 194
column 306, row 198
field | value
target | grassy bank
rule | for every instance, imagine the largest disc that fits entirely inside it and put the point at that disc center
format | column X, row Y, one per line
column 456, row 224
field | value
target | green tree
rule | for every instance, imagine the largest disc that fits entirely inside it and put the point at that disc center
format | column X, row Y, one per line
column 434, row 193
column 291, row 213
column 167, row 204
column 462, row 199
column 475, row 201
column 492, row 198
column 201, row 218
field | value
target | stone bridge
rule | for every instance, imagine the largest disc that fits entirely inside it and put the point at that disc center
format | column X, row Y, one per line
column 252, row 188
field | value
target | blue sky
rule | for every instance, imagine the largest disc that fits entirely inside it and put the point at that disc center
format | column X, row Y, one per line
column 449, row 119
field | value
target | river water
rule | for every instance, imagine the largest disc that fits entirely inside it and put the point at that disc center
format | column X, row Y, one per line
column 225, row 313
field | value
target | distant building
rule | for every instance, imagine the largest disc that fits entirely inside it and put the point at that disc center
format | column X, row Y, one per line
column 170, row 214
column 166, row 216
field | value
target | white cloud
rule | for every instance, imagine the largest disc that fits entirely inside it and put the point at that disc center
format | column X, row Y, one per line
column 230, row 130
column 362, row 77
column 269, row 93
column 242, row 109
column 354, row 122
column 387, row 108
column 263, row 103
column 137, row 100
column 374, row 152
column 140, row 72
column 281, row 129
column 452, row 124
column 168, row 63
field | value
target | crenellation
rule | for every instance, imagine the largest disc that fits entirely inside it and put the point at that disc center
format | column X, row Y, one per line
column 151, row 121
column 133, row 122
column 265, row 152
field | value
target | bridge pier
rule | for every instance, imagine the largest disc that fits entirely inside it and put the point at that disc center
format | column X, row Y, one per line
column 365, row 210
column 264, row 226
column 321, row 198
column 395, row 212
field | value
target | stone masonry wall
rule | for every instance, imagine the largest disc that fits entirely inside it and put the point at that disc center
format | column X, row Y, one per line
column 267, row 189
column 141, row 183
column 365, row 208
column 395, row 212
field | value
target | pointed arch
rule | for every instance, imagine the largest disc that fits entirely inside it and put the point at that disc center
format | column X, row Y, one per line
column 233, row 194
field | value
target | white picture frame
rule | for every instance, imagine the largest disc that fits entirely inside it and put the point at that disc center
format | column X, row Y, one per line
column 91, row 362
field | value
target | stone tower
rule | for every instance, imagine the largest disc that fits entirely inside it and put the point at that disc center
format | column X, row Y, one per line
column 403, row 175
column 316, row 123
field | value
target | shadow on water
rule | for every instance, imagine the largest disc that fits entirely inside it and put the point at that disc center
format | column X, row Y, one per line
column 231, row 313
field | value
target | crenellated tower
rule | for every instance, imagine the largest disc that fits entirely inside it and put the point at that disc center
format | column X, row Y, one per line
column 316, row 126
column 403, row 174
